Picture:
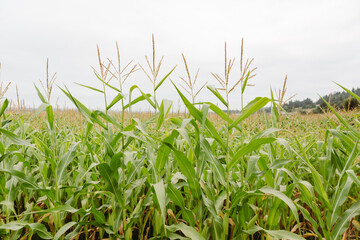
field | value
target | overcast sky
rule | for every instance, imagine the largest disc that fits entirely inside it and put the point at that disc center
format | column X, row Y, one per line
column 313, row 42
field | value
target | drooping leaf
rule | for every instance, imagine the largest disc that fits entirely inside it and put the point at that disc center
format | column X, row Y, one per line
column 280, row 234
column 37, row 228
column 15, row 139
column 64, row 229
column 186, row 230
column 28, row 181
column 283, row 197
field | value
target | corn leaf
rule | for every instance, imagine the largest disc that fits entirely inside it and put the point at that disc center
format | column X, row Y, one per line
column 254, row 106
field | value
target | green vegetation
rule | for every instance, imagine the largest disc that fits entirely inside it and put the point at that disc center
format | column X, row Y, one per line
column 339, row 100
column 204, row 175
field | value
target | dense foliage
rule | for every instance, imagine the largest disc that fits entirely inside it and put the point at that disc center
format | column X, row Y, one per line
column 205, row 175
column 171, row 177
column 339, row 100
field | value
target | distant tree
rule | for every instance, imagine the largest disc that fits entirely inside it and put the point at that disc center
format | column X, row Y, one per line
column 308, row 104
column 304, row 104
column 317, row 110
column 350, row 104
column 339, row 100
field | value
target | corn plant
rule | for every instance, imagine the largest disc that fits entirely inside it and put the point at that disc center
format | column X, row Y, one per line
column 101, row 174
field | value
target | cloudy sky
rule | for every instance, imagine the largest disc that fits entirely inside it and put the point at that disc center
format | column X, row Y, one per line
column 313, row 42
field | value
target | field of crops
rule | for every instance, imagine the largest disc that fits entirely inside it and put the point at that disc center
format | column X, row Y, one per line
column 206, row 174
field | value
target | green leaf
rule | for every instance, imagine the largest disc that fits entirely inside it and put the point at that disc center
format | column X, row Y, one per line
column 188, row 170
column 339, row 198
column 204, row 111
column 37, row 228
column 217, row 94
column 65, row 160
column 15, row 139
column 283, row 197
column 274, row 110
column 164, row 151
column 42, row 98
column 115, row 100
column 42, row 107
column 342, row 189
column 219, row 112
column 342, row 120
column 186, row 230
column 280, row 234
column 216, row 166
column 253, row 145
column 245, row 83
column 98, row 215
column 317, row 180
column 108, row 176
column 85, row 112
column 50, row 116
column 163, row 111
column 61, row 208
column 210, row 205
column 41, row 230
column 112, row 87
column 107, row 117
column 343, row 222
column 13, row 226
column 4, row 106
column 92, row 88
column 251, row 168
column 28, row 181
column 159, row 189
column 162, row 80
column 350, row 92
column 63, row 229
column 267, row 132
column 279, row 163
column 199, row 117
column 175, row 195
column 254, row 106
column 312, row 221
column 9, row 205
column 353, row 176
column 138, row 99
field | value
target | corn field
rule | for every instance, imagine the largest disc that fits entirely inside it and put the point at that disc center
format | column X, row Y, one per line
column 206, row 174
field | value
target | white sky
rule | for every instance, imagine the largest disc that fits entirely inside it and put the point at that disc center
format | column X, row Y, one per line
column 314, row 42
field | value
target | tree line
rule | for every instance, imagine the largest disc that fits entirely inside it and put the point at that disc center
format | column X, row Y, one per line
column 339, row 100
